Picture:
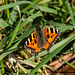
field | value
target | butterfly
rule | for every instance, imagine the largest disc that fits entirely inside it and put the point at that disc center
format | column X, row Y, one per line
column 41, row 38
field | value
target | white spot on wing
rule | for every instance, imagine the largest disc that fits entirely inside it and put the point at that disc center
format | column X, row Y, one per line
column 26, row 42
column 57, row 30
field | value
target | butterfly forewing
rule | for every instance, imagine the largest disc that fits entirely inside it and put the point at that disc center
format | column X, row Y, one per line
column 52, row 34
column 31, row 41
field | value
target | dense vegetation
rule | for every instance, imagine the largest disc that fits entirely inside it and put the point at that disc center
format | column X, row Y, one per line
column 18, row 19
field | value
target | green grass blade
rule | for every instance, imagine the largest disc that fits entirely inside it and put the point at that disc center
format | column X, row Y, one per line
column 26, row 33
column 14, row 33
column 3, row 41
column 11, row 49
column 64, row 28
column 15, row 4
column 50, row 10
column 2, row 67
column 66, row 62
column 19, row 26
column 30, row 19
column 3, row 24
column 28, row 7
column 7, row 10
column 70, row 11
column 13, row 15
column 44, row 1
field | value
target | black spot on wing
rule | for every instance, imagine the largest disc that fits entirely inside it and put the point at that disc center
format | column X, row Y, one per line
column 32, row 43
column 33, row 36
column 51, row 36
column 51, row 30
column 48, row 36
column 35, row 41
column 30, row 38
column 47, row 30
column 56, row 31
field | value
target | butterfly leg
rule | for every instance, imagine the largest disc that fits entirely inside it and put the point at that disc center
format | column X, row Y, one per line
column 36, row 52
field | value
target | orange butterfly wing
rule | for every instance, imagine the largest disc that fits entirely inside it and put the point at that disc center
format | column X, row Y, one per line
column 31, row 43
column 52, row 34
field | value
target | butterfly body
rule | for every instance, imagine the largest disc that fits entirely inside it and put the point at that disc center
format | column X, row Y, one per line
column 42, row 38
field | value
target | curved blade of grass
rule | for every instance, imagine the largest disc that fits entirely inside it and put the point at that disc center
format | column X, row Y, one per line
column 14, row 47
column 30, row 19
column 70, row 11
column 7, row 10
column 33, row 64
column 3, row 24
column 50, row 10
column 57, row 8
column 6, row 52
column 61, row 2
column 14, row 33
column 28, row 7
column 3, row 41
column 26, row 33
column 13, row 15
column 15, row 4
column 2, row 67
column 22, row 68
column 56, row 50
column 64, row 28
column 66, row 62
column 44, row 1
column 74, row 46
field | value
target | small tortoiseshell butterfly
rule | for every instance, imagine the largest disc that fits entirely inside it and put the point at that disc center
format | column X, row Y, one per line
column 42, row 38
